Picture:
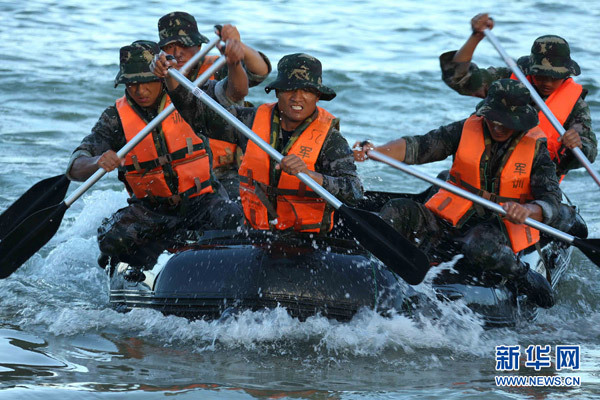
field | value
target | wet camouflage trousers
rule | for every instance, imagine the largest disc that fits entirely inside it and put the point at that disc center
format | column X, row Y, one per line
column 140, row 232
column 484, row 246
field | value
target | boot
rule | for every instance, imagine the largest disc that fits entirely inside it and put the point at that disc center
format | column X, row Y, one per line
column 537, row 288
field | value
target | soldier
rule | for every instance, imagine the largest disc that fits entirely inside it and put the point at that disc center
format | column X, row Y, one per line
column 308, row 136
column 179, row 36
column 168, row 174
column 549, row 68
column 499, row 154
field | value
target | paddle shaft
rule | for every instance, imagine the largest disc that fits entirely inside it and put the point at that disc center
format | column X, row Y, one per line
column 155, row 122
column 216, row 107
column 466, row 194
column 541, row 104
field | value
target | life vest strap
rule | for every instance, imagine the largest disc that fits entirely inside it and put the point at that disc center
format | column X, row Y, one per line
column 177, row 198
column 485, row 194
column 162, row 160
column 274, row 191
column 260, row 192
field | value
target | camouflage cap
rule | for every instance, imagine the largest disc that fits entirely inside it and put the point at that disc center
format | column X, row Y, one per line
column 508, row 102
column 134, row 62
column 300, row 71
column 179, row 27
column 550, row 56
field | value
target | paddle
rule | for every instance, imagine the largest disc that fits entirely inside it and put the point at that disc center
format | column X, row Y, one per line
column 589, row 247
column 541, row 104
column 36, row 229
column 376, row 235
column 41, row 195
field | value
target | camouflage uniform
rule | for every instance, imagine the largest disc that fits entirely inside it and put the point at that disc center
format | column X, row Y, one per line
column 181, row 27
column 335, row 162
column 468, row 79
column 481, row 239
column 138, row 233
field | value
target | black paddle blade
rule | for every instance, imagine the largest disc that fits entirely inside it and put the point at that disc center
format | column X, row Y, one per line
column 42, row 195
column 385, row 243
column 28, row 237
column 589, row 247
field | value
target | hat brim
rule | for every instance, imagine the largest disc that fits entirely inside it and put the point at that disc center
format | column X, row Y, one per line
column 326, row 92
column 522, row 120
column 142, row 77
column 195, row 39
column 572, row 69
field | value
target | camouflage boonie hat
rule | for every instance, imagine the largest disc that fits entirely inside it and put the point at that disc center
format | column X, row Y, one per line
column 550, row 56
column 507, row 102
column 300, row 71
column 134, row 63
column 179, row 27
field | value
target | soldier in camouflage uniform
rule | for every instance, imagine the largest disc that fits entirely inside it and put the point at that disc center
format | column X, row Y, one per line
column 179, row 37
column 481, row 237
column 549, row 64
column 298, row 88
column 139, row 232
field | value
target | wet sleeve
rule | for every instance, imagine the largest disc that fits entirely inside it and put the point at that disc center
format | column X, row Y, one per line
column 467, row 78
column 106, row 135
column 336, row 164
column 254, row 79
column 580, row 120
column 435, row 145
column 544, row 183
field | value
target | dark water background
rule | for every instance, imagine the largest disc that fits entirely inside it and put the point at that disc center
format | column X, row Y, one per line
column 60, row 340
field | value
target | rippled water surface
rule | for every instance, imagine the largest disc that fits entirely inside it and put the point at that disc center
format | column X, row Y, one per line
column 59, row 339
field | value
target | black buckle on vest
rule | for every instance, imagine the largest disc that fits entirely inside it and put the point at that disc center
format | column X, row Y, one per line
column 174, row 200
column 166, row 159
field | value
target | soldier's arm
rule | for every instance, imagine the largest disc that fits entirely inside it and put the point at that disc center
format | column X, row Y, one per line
column 203, row 119
column 107, row 137
column 579, row 120
column 337, row 168
column 435, row 145
column 467, row 78
column 457, row 70
column 544, row 183
column 254, row 79
column 255, row 65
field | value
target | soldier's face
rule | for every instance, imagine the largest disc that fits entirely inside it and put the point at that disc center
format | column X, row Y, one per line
column 546, row 85
column 181, row 53
column 295, row 106
column 499, row 132
column 144, row 94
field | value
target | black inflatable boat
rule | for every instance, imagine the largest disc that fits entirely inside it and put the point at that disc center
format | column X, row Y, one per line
column 224, row 272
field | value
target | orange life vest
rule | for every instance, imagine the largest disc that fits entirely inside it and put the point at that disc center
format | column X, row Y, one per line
column 186, row 159
column 561, row 103
column 514, row 181
column 223, row 152
column 296, row 206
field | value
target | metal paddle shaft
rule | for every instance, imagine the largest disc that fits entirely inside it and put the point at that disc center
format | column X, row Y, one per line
column 38, row 228
column 591, row 247
column 376, row 235
column 541, row 104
